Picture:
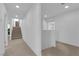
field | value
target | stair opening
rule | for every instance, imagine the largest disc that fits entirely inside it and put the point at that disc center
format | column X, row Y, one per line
column 16, row 30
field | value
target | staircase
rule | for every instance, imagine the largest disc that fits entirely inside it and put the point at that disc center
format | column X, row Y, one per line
column 16, row 32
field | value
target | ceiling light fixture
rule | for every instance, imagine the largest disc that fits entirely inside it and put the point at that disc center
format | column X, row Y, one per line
column 45, row 15
column 66, row 6
column 17, row 6
column 16, row 16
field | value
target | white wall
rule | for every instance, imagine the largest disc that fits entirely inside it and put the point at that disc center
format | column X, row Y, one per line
column 67, row 28
column 48, row 36
column 3, row 36
column 6, row 29
column 44, row 25
column 31, row 29
column 48, row 39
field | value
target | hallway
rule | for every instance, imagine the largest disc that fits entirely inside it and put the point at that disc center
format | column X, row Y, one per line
column 22, row 22
column 18, row 47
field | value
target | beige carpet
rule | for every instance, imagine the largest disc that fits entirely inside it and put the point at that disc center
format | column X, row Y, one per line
column 18, row 47
column 16, row 33
column 61, row 50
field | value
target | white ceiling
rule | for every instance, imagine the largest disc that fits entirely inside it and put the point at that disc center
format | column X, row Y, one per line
column 49, row 9
column 55, row 9
column 13, row 11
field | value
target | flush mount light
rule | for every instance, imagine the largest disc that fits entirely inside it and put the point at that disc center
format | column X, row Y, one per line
column 17, row 6
column 66, row 6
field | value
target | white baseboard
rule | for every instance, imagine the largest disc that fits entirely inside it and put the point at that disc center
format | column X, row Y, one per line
column 69, row 43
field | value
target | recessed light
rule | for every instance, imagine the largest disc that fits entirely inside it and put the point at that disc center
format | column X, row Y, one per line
column 16, row 16
column 45, row 15
column 17, row 6
column 67, row 6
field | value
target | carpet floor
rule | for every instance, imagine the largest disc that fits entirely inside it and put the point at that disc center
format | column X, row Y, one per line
column 18, row 47
column 61, row 49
